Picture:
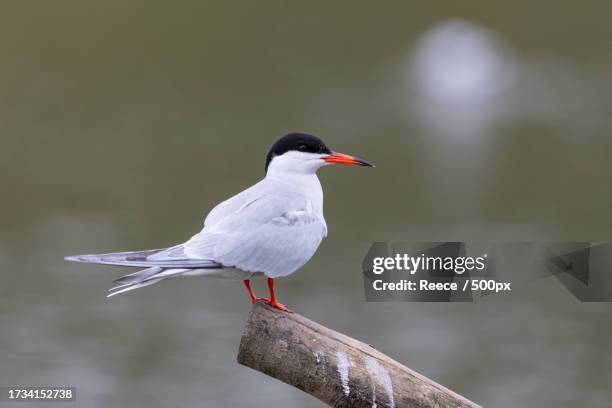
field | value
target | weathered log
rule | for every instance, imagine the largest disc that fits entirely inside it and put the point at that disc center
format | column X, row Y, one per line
column 338, row 370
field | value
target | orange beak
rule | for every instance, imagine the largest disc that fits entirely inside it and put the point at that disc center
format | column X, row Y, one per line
column 341, row 158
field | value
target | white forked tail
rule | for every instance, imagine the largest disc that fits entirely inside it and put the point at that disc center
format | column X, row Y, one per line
column 159, row 263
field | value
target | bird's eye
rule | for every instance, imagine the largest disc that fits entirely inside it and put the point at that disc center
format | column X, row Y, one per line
column 302, row 148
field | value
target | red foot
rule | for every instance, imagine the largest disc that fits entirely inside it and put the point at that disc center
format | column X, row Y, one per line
column 271, row 301
column 277, row 305
column 254, row 298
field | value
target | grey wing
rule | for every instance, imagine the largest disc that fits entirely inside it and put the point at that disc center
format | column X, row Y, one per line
column 236, row 203
column 276, row 234
column 173, row 257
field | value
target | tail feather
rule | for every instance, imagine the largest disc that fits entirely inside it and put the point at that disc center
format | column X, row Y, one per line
column 168, row 273
column 136, row 279
column 128, row 287
column 159, row 264
column 143, row 278
column 138, row 276
column 173, row 257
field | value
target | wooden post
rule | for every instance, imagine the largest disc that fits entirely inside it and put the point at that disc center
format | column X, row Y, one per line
column 338, row 370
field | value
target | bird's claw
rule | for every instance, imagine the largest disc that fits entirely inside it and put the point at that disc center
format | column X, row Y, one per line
column 275, row 305
column 280, row 306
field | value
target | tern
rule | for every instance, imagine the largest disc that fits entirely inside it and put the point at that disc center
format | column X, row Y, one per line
column 269, row 230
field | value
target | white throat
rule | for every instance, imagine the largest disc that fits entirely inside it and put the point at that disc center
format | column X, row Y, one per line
column 298, row 170
column 295, row 162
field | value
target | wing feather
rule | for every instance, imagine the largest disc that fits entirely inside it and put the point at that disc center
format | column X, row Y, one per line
column 276, row 234
column 262, row 229
column 166, row 258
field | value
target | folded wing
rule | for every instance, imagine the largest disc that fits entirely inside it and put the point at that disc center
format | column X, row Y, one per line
column 173, row 257
column 275, row 233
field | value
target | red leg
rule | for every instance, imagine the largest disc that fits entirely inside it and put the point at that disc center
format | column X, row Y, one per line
column 272, row 302
column 247, row 283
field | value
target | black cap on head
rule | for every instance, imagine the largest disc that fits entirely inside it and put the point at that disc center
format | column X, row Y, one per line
column 300, row 142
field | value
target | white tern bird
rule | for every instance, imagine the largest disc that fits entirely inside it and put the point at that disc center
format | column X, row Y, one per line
column 270, row 230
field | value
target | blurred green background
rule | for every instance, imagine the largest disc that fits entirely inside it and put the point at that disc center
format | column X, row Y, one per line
column 123, row 123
